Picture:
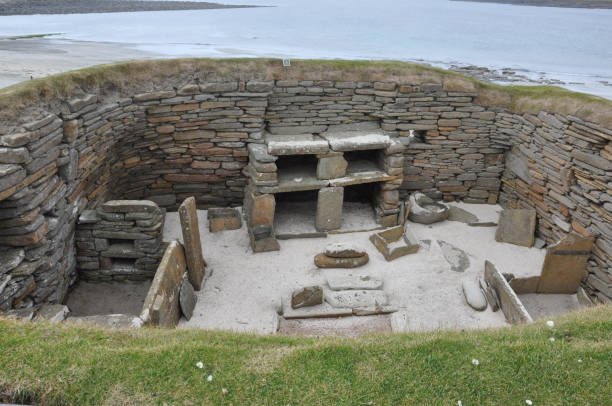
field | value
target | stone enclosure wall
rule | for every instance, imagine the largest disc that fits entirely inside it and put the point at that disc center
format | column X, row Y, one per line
column 171, row 142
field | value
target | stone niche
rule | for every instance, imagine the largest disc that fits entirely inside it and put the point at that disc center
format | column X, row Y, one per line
column 314, row 177
column 120, row 240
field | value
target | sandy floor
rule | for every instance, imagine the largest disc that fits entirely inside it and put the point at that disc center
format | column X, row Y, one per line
column 244, row 291
column 541, row 306
column 88, row 299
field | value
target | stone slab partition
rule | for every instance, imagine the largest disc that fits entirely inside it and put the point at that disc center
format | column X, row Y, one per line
column 167, row 130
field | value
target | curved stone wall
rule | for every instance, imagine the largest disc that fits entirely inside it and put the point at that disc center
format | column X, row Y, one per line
column 185, row 134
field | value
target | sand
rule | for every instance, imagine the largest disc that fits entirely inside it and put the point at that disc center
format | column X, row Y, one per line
column 89, row 299
column 245, row 290
column 27, row 58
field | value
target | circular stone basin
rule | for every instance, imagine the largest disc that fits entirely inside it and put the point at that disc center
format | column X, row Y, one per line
column 424, row 210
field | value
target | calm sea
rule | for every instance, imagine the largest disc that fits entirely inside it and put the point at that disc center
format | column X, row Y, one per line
column 573, row 45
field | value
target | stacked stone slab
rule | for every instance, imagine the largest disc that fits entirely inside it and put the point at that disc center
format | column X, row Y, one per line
column 333, row 172
column 561, row 166
column 187, row 135
column 121, row 240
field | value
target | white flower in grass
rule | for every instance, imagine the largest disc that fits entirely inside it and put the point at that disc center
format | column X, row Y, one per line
column 459, row 403
column 200, row 365
column 529, row 402
column 550, row 323
column 580, row 361
column 209, row 378
column 551, row 339
column 224, row 391
column 475, row 362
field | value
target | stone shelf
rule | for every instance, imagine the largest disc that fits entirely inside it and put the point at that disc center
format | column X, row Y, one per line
column 361, row 172
column 300, row 144
column 357, row 140
column 298, row 179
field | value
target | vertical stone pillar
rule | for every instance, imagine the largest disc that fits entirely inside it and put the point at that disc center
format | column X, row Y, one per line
column 329, row 209
column 193, row 245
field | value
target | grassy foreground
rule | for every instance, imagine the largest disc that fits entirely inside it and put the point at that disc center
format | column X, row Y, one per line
column 57, row 364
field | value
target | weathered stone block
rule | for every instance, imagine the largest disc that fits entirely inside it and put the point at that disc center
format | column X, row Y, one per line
column 516, row 226
column 509, row 302
column 329, row 209
column 161, row 306
column 565, row 265
column 308, row 296
column 331, row 167
column 220, row 219
column 193, row 245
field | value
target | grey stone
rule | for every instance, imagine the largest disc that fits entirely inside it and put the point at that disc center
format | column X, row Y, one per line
column 473, row 295
column 10, row 259
column 356, row 298
column 509, row 302
column 187, row 299
column 14, row 155
column 357, row 140
column 565, row 265
column 190, row 230
column 517, row 163
column 329, row 209
column 10, row 175
column 113, row 321
column 260, row 153
column 425, row 210
column 324, row 261
column 516, row 226
column 331, row 167
column 306, row 297
column 296, row 144
column 130, row 206
column 344, row 250
column 54, row 313
column 456, row 257
column 458, row 214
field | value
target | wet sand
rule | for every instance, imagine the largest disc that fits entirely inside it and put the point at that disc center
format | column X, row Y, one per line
column 20, row 7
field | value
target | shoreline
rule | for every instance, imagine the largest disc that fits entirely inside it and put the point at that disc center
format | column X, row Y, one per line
column 588, row 4
column 35, row 56
column 32, row 7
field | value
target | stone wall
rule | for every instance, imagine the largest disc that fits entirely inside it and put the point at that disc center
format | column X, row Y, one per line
column 168, row 141
column 561, row 166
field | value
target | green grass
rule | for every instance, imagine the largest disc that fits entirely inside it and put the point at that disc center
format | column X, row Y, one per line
column 58, row 364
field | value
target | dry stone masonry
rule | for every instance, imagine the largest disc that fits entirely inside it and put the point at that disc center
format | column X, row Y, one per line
column 121, row 240
column 224, row 141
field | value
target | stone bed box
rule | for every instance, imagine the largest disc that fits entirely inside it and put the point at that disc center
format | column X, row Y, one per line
column 395, row 242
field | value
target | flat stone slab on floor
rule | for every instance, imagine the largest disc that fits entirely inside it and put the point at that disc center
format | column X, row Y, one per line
column 106, row 320
column 356, row 298
column 337, row 327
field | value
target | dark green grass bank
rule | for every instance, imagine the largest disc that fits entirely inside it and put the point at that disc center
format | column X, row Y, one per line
column 56, row 364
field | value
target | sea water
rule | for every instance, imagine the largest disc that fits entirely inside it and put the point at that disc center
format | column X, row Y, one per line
column 572, row 45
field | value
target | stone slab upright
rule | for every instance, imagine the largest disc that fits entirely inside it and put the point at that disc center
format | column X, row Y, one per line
column 329, row 209
column 193, row 245
column 565, row 265
column 516, row 226
column 161, row 306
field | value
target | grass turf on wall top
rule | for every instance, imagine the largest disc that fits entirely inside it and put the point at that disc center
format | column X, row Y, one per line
column 129, row 78
column 569, row 363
